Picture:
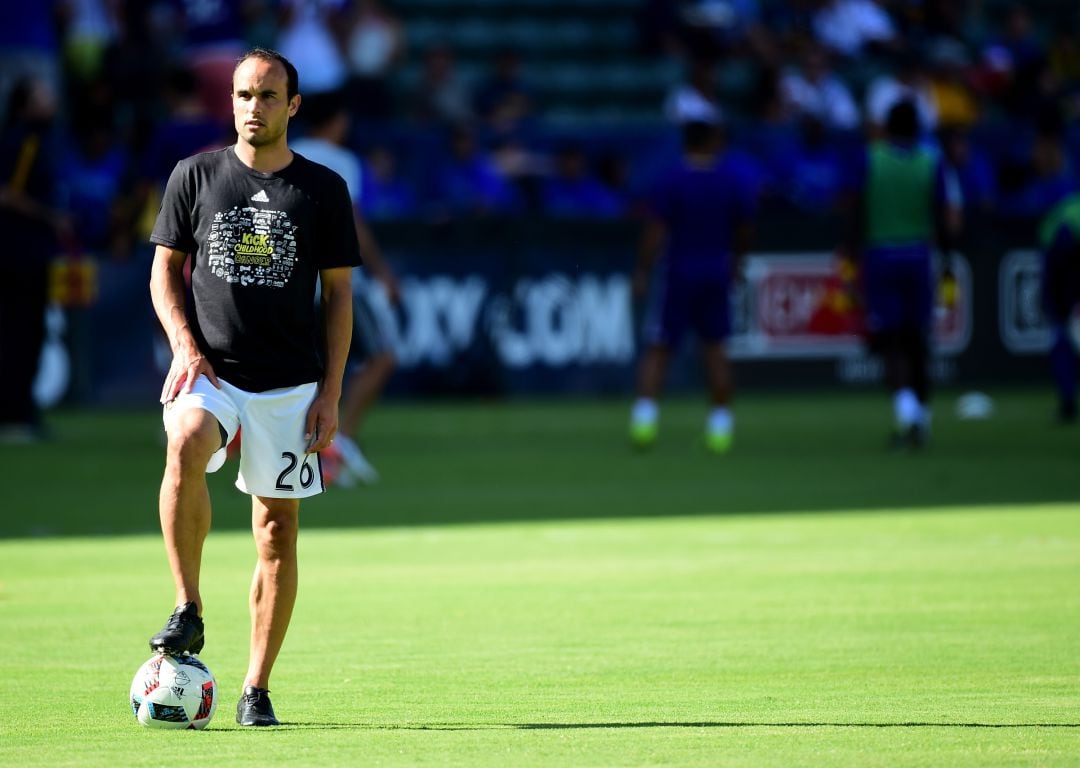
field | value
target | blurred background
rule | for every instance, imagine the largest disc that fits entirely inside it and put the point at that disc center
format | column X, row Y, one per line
column 507, row 150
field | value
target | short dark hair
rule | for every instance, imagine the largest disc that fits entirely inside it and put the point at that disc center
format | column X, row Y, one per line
column 700, row 135
column 321, row 108
column 903, row 121
column 266, row 54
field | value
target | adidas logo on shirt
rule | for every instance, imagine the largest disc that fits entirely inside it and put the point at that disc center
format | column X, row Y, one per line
column 260, row 197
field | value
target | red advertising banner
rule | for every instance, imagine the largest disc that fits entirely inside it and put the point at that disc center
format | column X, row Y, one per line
column 809, row 305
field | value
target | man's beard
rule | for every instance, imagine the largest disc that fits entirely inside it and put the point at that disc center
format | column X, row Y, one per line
column 265, row 138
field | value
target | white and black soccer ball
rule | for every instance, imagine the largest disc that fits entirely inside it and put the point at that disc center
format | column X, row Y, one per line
column 174, row 692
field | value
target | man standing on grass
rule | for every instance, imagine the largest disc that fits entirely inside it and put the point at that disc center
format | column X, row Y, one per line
column 260, row 225
column 700, row 225
column 1060, row 239
column 371, row 353
column 908, row 201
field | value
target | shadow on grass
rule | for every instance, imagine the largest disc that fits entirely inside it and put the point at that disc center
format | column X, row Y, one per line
column 634, row 725
column 447, row 463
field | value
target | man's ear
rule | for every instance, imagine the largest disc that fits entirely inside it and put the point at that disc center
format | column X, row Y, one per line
column 294, row 105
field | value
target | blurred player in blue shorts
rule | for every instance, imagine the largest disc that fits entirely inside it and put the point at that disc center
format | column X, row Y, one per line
column 908, row 200
column 371, row 357
column 698, row 229
column 1060, row 240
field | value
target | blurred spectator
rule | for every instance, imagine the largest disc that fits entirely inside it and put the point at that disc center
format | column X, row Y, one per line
column 185, row 129
column 375, row 44
column 954, row 100
column 813, row 90
column 573, row 191
column 90, row 26
column 134, row 69
column 725, row 27
column 972, row 168
column 504, row 100
column 308, row 41
column 810, row 174
column 695, row 99
column 849, row 27
column 96, row 184
column 1063, row 61
column 613, row 172
column 1063, row 71
column 659, row 28
column 442, row 96
column 387, row 195
column 908, row 81
column 469, row 184
column 1048, row 177
column 1018, row 55
column 30, row 223
column 214, row 38
column 29, row 46
column 940, row 17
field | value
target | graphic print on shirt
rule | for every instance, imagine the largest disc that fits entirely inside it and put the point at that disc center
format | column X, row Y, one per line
column 251, row 246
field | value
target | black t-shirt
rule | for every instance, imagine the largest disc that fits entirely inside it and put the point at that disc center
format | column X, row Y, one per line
column 257, row 241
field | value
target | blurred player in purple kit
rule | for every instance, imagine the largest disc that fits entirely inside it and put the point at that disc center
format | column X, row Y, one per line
column 1060, row 239
column 698, row 229
column 908, row 201
column 371, row 356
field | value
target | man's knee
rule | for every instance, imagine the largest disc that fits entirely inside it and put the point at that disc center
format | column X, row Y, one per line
column 387, row 362
column 276, row 531
column 193, row 435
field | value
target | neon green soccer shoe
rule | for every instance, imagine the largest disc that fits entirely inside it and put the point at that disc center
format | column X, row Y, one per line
column 643, row 435
column 719, row 442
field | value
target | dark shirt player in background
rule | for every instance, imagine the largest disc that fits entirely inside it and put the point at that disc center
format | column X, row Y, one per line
column 698, row 230
column 1060, row 240
column 908, row 202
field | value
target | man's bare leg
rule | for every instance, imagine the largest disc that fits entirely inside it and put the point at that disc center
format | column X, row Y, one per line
column 644, row 418
column 184, row 501
column 720, row 425
column 363, row 389
column 275, row 524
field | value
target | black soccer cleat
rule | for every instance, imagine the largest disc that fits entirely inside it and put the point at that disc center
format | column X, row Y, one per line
column 254, row 708
column 183, row 632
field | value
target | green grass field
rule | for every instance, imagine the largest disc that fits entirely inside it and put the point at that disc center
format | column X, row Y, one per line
column 523, row 590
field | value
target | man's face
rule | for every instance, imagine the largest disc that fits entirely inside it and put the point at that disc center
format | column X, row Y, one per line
column 261, row 106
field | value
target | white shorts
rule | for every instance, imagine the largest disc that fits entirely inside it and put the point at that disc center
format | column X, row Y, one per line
column 274, row 461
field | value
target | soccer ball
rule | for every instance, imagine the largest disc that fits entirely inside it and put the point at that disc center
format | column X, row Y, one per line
column 174, row 692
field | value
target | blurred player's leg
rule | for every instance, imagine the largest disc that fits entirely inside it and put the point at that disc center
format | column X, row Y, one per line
column 720, row 425
column 919, row 364
column 1063, row 365
column 645, row 415
column 370, row 345
column 361, row 392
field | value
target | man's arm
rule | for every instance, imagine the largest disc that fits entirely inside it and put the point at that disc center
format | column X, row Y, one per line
column 653, row 237
column 373, row 258
column 322, row 418
column 948, row 208
column 167, row 293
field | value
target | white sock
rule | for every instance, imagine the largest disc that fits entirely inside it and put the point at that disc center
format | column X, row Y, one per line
column 645, row 411
column 720, row 421
column 906, row 408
